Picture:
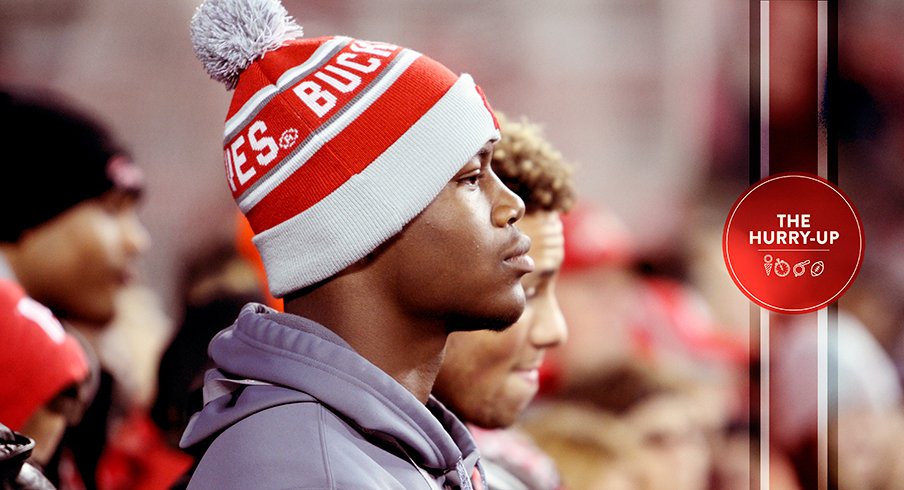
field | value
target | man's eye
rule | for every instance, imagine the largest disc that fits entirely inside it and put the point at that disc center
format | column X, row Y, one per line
column 472, row 180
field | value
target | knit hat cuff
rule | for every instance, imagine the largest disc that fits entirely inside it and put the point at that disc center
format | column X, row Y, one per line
column 377, row 203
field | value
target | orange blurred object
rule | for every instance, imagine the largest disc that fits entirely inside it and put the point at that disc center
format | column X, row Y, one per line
column 246, row 249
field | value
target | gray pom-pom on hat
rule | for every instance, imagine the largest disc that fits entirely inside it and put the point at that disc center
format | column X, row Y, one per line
column 229, row 35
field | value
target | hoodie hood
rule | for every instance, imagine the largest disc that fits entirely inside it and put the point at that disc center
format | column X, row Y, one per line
column 276, row 351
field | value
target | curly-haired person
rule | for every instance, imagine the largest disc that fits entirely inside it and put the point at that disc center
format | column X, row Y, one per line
column 488, row 378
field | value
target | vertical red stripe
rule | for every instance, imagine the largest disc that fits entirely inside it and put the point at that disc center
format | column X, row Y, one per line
column 793, row 147
column 793, row 115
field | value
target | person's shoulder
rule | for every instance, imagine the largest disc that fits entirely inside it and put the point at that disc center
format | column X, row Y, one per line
column 274, row 448
column 297, row 445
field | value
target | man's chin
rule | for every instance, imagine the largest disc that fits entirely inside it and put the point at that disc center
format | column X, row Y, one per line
column 497, row 322
column 496, row 421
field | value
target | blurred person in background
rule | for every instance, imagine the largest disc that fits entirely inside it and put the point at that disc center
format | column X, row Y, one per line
column 45, row 370
column 71, row 246
column 624, row 309
column 867, row 115
column 143, row 453
column 218, row 284
column 658, row 408
column 488, row 378
column 593, row 449
column 868, row 409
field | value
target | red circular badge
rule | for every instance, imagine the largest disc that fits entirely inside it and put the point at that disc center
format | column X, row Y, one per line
column 793, row 243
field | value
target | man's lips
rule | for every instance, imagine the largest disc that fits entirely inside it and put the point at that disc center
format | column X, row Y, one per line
column 517, row 256
column 529, row 375
column 529, row 371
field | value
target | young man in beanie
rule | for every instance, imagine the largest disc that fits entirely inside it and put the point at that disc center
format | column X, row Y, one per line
column 364, row 171
column 488, row 378
column 67, row 246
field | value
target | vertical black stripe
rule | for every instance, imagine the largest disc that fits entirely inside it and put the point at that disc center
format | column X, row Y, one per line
column 754, row 176
column 830, row 108
column 832, row 398
column 754, row 401
column 831, row 92
column 754, row 109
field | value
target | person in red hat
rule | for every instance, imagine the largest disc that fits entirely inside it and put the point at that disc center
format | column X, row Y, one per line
column 488, row 378
column 67, row 246
column 43, row 370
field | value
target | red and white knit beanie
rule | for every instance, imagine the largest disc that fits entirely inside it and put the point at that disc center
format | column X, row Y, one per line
column 332, row 144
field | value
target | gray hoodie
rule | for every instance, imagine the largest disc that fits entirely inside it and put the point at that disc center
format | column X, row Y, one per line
column 300, row 409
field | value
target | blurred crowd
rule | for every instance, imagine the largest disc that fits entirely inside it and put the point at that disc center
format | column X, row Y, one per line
column 656, row 387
